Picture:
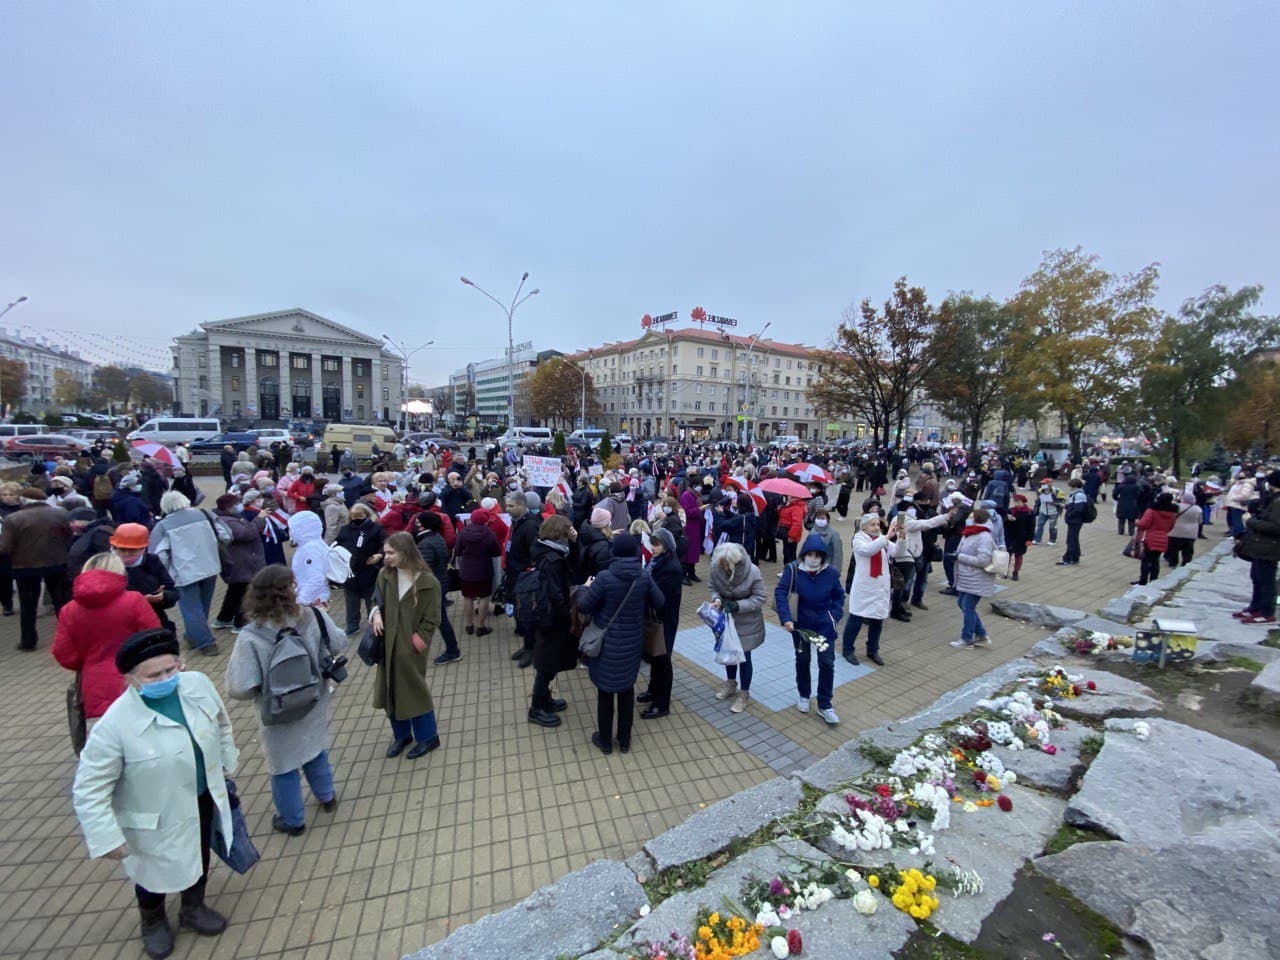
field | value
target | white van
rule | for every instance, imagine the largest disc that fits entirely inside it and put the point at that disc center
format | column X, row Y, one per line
column 591, row 436
column 526, row 437
column 21, row 430
column 170, row 430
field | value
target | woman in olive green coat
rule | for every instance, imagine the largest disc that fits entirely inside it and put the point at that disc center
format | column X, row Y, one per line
column 406, row 615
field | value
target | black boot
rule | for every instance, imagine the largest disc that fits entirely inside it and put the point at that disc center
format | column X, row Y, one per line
column 543, row 717
column 157, row 936
column 203, row 919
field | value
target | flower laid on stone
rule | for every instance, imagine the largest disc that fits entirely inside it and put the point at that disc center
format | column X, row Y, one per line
column 779, row 947
column 914, row 894
column 794, row 942
column 1049, row 748
column 864, row 901
column 724, row 937
column 1097, row 643
column 676, row 947
column 1142, row 730
column 1004, row 803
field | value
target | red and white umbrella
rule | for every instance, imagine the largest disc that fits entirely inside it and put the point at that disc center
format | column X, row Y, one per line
column 808, row 473
column 156, row 451
column 758, row 496
column 739, row 483
column 786, row 487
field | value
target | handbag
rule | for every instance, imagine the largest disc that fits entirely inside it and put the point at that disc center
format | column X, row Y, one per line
column 577, row 622
column 453, row 583
column 75, row 716
column 371, row 647
column 655, row 639
column 239, row 854
column 1134, row 549
column 592, row 638
column 999, row 564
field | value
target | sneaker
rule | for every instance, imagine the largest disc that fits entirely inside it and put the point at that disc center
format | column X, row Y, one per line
column 1242, row 614
column 740, row 702
column 448, row 657
column 209, row 650
column 949, row 592
column 829, row 715
column 1258, row 618
column 728, row 690
column 962, row 644
column 919, row 604
column 982, row 642
column 281, row 825
column 222, row 624
column 803, row 704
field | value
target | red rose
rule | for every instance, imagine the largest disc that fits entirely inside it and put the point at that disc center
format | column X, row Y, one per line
column 1091, row 685
column 1004, row 803
column 794, row 944
column 1075, row 690
column 884, row 790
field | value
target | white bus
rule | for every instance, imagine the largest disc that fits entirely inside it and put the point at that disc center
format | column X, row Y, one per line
column 171, row 430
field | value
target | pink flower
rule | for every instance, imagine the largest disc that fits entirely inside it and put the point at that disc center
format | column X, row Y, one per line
column 1050, row 938
column 1049, row 748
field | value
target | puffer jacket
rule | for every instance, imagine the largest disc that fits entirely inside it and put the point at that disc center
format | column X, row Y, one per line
column 310, row 558
column 593, row 552
column 149, row 575
column 435, row 552
column 336, row 516
column 615, row 669
column 818, row 596
column 745, row 586
column 972, row 555
column 102, row 614
column 475, row 549
column 1154, row 527
column 186, row 543
column 792, row 517
column 244, row 556
column 1186, row 524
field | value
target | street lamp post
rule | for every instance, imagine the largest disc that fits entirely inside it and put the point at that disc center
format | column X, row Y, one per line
column 509, row 311
column 405, row 354
column 12, row 304
column 749, row 424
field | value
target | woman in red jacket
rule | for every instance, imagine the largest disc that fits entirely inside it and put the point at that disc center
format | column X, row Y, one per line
column 791, row 516
column 102, row 614
column 1153, row 533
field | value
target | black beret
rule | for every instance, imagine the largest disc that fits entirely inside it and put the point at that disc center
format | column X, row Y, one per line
column 155, row 642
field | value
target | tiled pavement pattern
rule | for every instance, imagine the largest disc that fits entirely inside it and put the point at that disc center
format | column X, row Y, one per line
column 417, row 848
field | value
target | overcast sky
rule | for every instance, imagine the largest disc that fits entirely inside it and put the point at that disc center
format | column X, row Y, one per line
column 169, row 164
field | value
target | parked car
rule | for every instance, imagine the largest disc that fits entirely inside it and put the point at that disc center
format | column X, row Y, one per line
column 269, row 435
column 93, row 436
column 305, row 433
column 45, row 446
column 239, row 440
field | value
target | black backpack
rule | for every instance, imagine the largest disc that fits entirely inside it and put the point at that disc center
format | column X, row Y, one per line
column 291, row 679
column 1090, row 512
column 532, row 599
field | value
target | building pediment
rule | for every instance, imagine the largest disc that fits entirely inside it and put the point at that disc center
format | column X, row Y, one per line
column 286, row 324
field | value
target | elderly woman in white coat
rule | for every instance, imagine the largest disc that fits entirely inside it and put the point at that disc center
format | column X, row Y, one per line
column 973, row 582
column 152, row 780
column 871, row 595
column 273, row 606
column 737, row 587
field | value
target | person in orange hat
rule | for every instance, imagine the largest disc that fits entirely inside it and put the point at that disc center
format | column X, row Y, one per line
column 146, row 572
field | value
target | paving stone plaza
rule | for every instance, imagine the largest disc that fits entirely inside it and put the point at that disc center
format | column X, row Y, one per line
column 417, row 849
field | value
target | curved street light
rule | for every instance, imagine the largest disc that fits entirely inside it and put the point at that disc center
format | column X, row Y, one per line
column 405, row 354
column 583, row 374
column 509, row 310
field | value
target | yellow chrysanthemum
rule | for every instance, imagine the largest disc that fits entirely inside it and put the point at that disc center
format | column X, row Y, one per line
column 873, row 881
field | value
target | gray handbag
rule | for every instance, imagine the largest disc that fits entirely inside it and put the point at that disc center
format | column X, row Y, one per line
column 592, row 638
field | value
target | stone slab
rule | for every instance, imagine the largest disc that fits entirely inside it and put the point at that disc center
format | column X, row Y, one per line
column 1181, row 785
column 961, row 700
column 1056, row 771
column 827, row 932
column 711, row 830
column 1254, row 651
column 1040, row 614
column 571, row 916
column 1266, row 688
column 1115, row 695
column 843, row 764
column 1187, row 902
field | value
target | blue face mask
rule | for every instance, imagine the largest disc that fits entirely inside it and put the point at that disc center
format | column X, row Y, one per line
column 161, row 688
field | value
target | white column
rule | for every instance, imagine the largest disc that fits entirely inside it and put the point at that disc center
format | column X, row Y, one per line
column 348, row 391
column 215, row 380
column 286, row 385
column 375, row 387
column 317, row 387
column 251, row 404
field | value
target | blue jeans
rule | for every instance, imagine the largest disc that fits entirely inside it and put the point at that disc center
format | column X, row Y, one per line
column 1235, row 521
column 194, row 602
column 826, row 670
column 972, row 628
column 731, row 673
column 922, row 580
column 286, row 788
column 421, row 727
column 1042, row 520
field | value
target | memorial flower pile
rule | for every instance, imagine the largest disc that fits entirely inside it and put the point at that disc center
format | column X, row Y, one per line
column 724, row 937
column 1096, row 644
column 1057, row 684
column 913, row 893
column 676, row 947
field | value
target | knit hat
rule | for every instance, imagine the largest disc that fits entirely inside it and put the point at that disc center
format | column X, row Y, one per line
column 600, row 517
column 664, row 537
column 155, row 642
column 625, row 545
column 481, row 517
column 62, row 481
column 83, row 515
column 489, row 503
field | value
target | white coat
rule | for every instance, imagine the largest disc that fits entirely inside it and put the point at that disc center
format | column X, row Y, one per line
column 869, row 597
column 310, row 559
column 136, row 783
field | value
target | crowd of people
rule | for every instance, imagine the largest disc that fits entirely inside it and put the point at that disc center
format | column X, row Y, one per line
column 604, row 554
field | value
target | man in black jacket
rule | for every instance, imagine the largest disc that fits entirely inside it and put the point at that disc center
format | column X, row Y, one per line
column 1260, row 545
column 524, row 534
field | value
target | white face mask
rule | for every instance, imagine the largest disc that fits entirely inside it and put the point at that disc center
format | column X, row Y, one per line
column 812, row 561
column 820, row 524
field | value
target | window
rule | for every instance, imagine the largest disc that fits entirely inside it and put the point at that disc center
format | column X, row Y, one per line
column 675, row 349
column 784, row 411
column 360, row 390
column 235, row 408
column 788, row 381
column 299, row 361
column 715, row 355
column 777, row 363
column 674, row 368
column 235, row 361
column 360, row 412
column 775, row 379
column 202, row 359
column 697, row 404
column 235, row 384
column 714, row 371
column 386, row 393
column 268, row 358
column 386, row 374
column 697, row 388
column 775, row 411
column 699, row 371
column 360, row 368
column 331, row 364
column 699, row 351
column 204, row 381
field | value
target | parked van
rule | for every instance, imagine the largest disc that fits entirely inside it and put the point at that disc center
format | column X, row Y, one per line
column 591, row 437
column 21, row 430
column 526, row 437
column 171, row 430
column 359, row 438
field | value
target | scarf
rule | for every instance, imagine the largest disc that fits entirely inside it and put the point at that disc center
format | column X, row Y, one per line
column 877, row 563
column 972, row 529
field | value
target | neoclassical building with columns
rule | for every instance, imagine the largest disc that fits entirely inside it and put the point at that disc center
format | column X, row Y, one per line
column 285, row 364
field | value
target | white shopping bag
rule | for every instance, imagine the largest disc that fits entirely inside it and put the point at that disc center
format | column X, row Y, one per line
column 729, row 650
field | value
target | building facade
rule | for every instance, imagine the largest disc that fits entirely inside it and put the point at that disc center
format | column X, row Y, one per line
column 703, row 384
column 283, row 365
column 41, row 360
column 480, row 389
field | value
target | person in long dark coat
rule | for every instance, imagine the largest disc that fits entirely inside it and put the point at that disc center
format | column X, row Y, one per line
column 666, row 573
column 1019, row 529
column 555, row 648
column 1127, row 495
column 607, row 601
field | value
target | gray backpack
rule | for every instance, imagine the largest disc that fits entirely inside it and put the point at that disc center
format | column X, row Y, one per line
column 291, row 680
